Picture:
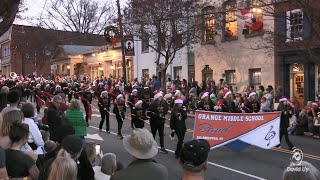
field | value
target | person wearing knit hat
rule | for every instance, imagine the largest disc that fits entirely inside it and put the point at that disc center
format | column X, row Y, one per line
column 119, row 110
column 286, row 113
column 157, row 112
column 204, row 103
column 104, row 108
column 138, row 115
column 228, row 103
column 178, row 123
column 133, row 99
column 252, row 104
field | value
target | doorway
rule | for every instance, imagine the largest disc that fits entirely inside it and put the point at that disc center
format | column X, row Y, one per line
column 298, row 88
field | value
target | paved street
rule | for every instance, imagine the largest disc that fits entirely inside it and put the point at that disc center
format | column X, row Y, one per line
column 252, row 163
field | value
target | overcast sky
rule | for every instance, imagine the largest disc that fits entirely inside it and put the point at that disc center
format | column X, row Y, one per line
column 36, row 7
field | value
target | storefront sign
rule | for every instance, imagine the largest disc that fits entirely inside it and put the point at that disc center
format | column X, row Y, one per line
column 258, row 129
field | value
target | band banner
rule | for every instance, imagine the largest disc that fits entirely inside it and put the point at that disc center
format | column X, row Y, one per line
column 258, row 129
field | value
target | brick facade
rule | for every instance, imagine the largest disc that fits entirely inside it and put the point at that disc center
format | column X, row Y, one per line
column 32, row 48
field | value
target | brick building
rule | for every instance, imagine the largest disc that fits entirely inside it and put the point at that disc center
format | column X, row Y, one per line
column 29, row 50
column 297, row 48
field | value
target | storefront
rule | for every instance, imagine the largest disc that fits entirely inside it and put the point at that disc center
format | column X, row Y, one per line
column 299, row 76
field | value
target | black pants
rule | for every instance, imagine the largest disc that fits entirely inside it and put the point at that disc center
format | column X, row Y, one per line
column 160, row 128
column 286, row 136
column 137, row 123
column 104, row 117
column 180, row 135
column 120, row 122
column 87, row 113
column 69, row 97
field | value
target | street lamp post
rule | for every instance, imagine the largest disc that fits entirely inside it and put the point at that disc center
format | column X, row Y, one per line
column 124, row 72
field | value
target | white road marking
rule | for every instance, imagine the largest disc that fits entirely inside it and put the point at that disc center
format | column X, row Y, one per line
column 211, row 163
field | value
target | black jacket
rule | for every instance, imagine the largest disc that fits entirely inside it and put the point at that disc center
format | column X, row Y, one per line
column 178, row 119
column 158, row 110
column 55, row 119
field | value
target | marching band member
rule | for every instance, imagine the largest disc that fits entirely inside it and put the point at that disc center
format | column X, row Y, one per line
column 204, row 103
column 252, row 104
column 286, row 113
column 119, row 110
column 157, row 111
column 133, row 99
column 228, row 104
column 178, row 123
column 138, row 114
column 104, row 108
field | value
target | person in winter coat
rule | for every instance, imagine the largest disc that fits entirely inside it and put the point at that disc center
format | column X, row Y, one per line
column 178, row 123
column 75, row 118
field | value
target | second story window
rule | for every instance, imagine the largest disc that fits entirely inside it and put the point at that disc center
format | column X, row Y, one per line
column 5, row 51
column 252, row 15
column 295, row 25
column 209, row 23
column 231, row 23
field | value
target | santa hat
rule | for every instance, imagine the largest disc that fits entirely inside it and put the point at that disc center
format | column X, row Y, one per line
column 134, row 90
column 212, row 96
column 283, row 98
column 58, row 86
column 264, row 98
column 100, row 83
column 252, row 94
column 146, row 87
column 177, row 92
column 104, row 94
column 119, row 96
column 38, row 86
column 226, row 94
column 138, row 103
column 204, row 95
column 157, row 96
column 178, row 101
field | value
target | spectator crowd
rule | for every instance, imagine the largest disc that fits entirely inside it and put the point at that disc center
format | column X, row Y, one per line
column 54, row 147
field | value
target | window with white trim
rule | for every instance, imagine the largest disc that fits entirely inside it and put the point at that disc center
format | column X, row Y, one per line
column 294, row 25
column 255, row 77
column 230, row 77
column 209, row 23
column 5, row 51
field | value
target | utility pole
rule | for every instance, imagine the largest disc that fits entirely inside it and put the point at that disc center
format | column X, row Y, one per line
column 124, row 69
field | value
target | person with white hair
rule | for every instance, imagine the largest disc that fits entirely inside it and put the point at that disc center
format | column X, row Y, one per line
column 108, row 167
column 306, row 172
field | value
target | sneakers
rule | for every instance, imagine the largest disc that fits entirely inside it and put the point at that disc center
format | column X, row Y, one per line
column 171, row 137
column 108, row 132
column 121, row 137
column 163, row 150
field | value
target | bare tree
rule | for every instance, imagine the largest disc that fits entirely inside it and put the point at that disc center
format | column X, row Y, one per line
column 8, row 11
column 85, row 16
column 167, row 26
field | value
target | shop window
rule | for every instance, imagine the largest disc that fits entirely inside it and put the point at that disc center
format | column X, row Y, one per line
column 231, row 23
column 209, row 23
column 252, row 15
column 255, row 77
column 177, row 71
column 230, row 77
column 145, row 73
column 294, row 25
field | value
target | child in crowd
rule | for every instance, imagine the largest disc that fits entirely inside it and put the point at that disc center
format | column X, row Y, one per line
column 265, row 105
